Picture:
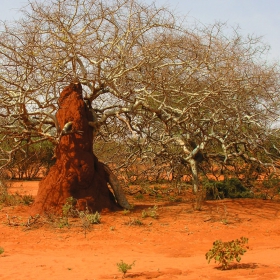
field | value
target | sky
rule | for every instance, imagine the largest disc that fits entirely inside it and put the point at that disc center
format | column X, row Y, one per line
column 257, row 17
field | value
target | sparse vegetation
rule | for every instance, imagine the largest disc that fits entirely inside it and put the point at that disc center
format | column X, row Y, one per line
column 5, row 198
column 148, row 87
column 89, row 219
column 134, row 222
column 270, row 187
column 69, row 210
column 126, row 211
column 1, row 250
column 151, row 212
column 27, row 199
column 8, row 199
column 139, row 196
column 223, row 213
column 226, row 252
column 229, row 188
column 124, row 267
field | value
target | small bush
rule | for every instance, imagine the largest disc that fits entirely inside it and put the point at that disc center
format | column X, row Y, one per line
column 27, row 199
column 6, row 198
column 126, row 212
column 270, row 187
column 229, row 188
column 13, row 199
column 139, row 196
column 226, row 252
column 151, row 212
column 91, row 218
column 175, row 199
column 94, row 218
column 1, row 250
column 69, row 208
column 124, row 267
column 88, row 219
column 134, row 222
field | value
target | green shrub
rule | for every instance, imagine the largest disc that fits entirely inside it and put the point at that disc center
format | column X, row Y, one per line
column 151, row 212
column 94, row 218
column 68, row 210
column 6, row 198
column 139, row 196
column 13, row 199
column 1, row 250
column 89, row 219
column 85, row 217
column 270, row 186
column 226, row 252
column 124, row 267
column 229, row 188
column 126, row 212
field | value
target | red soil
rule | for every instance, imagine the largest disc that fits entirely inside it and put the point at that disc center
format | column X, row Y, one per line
column 170, row 247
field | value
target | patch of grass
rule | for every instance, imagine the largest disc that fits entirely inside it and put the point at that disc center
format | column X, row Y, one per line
column 134, row 222
column 94, row 218
column 27, row 199
column 151, row 212
column 139, row 196
column 126, row 212
column 172, row 198
column 63, row 222
column 5, row 198
column 226, row 252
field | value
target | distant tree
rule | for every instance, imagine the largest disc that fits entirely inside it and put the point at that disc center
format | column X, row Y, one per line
column 165, row 95
column 31, row 162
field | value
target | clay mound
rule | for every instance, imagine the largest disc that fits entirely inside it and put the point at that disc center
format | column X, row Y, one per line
column 77, row 172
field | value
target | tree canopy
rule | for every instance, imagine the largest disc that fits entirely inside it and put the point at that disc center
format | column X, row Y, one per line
column 167, row 95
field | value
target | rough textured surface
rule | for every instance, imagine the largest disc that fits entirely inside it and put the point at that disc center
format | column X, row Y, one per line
column 77, row 172
column 171, row 247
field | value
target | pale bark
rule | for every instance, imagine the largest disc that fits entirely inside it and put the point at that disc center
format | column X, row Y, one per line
column 194, row 170
column 117, row 189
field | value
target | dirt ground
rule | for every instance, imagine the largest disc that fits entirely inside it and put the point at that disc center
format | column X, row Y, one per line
column 173, row 246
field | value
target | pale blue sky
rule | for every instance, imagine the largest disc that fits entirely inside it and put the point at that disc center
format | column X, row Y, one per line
column 258, row 17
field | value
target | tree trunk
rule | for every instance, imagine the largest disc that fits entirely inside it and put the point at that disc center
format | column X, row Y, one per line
column 77, row 172
column 197, row 190
column 194, row 170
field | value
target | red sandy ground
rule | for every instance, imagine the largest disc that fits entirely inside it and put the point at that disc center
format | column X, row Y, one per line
column 170, row 247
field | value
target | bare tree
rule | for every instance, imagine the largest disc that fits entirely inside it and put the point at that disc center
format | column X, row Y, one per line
column 164, row 95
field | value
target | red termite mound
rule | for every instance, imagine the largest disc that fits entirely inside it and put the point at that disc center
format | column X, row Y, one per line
column 77, row 172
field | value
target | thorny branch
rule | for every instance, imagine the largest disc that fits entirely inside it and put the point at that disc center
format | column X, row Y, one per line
column 166, row 96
